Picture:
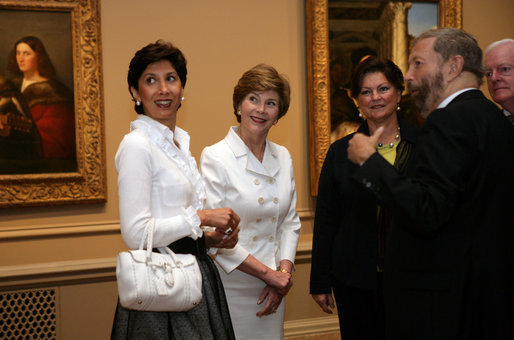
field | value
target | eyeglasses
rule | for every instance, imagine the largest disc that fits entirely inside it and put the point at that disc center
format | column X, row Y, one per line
column 502, row 70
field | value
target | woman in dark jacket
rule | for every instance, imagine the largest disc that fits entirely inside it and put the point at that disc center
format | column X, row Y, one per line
column 350, row 228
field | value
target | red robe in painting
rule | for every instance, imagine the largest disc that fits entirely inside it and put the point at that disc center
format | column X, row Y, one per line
column 51, row 106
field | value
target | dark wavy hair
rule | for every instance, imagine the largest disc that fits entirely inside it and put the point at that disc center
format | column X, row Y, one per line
column 262, row 77
column 151, row 53
column 44, row 64
column 372, row 64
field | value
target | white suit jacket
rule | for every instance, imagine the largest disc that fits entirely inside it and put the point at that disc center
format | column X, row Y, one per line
column 262, row 194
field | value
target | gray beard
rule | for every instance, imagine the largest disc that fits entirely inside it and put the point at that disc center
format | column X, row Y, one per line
column 429, row 94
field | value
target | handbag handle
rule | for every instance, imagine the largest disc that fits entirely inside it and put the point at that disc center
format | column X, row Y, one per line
column 148, row 237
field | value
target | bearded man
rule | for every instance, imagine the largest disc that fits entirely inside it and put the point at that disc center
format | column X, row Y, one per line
column 449, row 257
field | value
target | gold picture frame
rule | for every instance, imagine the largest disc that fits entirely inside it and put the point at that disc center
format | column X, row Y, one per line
column 86, row 182
column 450, row 15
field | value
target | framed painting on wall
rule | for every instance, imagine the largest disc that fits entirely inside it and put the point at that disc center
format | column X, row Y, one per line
column 51, row 104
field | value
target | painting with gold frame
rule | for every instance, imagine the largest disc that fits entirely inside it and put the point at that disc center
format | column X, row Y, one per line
column 63, row 160
column 318, row 64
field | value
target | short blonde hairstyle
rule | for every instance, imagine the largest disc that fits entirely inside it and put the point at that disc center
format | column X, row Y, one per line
column 262, row 77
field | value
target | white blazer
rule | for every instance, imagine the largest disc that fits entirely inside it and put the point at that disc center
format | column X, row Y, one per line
column 262, row 194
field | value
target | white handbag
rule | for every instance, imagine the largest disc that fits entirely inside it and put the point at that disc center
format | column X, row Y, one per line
column 158, row 282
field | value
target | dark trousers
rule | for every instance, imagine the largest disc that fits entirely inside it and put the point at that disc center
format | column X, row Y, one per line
column 360, row 311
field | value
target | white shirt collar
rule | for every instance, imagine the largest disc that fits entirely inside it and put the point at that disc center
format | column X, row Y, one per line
column 270, row 163
column 448, row 99
column 239, row 147
column 160, row 133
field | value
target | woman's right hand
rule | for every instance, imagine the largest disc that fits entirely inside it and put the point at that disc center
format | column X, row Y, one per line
column 325, row 301
column 220, row 239
column 280, row 280
column 222, row 219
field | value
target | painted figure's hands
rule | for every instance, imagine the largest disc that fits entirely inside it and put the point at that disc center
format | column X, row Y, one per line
column 5, row 129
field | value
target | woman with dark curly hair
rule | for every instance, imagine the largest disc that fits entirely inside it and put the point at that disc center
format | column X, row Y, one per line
column 159, row 183
column 350, row 228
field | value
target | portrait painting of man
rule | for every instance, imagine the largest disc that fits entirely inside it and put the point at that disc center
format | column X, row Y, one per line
column 37, row 113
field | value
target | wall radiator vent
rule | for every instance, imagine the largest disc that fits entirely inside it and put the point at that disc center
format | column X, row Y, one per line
column 28, row 314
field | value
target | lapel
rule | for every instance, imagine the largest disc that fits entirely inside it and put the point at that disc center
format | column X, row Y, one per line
column 270, row 163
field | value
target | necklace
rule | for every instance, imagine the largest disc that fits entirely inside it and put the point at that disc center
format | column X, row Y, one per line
column 396, row 139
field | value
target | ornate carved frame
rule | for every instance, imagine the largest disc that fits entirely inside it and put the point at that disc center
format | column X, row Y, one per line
column 88, row 183
column 450, row 15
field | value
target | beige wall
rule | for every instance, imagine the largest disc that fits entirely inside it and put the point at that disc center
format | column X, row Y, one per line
column 221, row 39
column 488, row 21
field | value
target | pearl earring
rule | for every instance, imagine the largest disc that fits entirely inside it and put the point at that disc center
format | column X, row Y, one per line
column 138, row 103
column 239, row 112
column 398, row 107
column 182, row 98
column 360, row 113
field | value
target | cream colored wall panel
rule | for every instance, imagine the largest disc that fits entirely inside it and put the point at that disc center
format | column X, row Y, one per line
column 87, row 310
column 28, row 246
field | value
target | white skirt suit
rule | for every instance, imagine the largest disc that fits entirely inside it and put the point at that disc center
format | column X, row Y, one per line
column 264, row 196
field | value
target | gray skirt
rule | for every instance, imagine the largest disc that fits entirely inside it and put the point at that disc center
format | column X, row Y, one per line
column 209, row 320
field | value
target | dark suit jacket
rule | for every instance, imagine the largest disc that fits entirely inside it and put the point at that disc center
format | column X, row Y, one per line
column 345, row 227
column 450, row 257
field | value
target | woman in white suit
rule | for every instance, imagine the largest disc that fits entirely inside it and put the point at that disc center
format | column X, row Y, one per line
column 255, row 177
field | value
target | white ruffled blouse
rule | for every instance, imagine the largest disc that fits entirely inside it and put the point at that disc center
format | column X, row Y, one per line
column 158, row 179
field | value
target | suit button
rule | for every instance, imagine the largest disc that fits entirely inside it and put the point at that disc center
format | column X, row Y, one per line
column 260, row 200
column 273, row 219
column 258, row 220
column 270, row 238
column 275, row 200
column 271, row 180
column 254, row 239
column 256, row 181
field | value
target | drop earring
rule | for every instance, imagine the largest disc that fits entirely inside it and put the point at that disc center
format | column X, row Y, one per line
column 239, row 113
column 182, row 98
column 398, row 107
column 138, row 103
column 360, row 113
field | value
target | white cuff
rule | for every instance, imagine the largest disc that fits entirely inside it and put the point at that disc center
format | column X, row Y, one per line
column 193, row 220
column 230, row 259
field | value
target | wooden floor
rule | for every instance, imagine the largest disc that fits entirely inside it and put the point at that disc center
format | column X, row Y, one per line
column 331, row 336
